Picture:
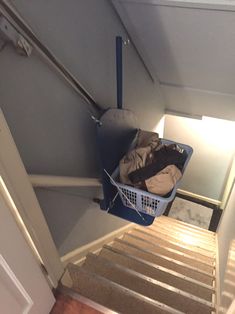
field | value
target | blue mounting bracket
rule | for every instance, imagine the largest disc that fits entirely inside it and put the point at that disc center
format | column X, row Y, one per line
column 119, row 68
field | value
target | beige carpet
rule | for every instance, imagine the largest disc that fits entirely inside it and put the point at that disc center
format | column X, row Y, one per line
column 190, row 212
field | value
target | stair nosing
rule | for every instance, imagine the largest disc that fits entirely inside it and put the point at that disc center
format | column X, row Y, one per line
column 172, row 249
column 162, row 268
column 164, row 257
column 134, row 293
column 155, row 282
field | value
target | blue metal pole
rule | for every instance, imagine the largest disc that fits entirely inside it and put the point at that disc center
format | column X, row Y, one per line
column 119, row 43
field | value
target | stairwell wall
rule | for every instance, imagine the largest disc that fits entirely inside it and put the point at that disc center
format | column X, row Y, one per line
column 48, row 120
column 209, row 167
column 226, row 251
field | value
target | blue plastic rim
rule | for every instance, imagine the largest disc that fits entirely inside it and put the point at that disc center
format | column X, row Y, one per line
column 146, row 202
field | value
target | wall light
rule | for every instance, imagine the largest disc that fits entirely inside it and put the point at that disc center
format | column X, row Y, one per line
column 159, row 128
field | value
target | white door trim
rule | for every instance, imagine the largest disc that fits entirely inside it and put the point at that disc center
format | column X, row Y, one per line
column 5, row 271
column 16, row 180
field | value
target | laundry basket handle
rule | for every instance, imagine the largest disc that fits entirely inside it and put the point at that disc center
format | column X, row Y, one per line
column 124, row 194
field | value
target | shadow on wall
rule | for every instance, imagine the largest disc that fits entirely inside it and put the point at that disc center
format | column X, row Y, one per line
column 73, row 219
column 48, row 120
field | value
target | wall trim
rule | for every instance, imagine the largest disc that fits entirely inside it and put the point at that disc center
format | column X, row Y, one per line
column 200, row 197
column 222, row 5
column 62, row 181
column 78, row 255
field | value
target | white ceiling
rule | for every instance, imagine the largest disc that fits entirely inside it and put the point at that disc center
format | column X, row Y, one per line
column 190, row 50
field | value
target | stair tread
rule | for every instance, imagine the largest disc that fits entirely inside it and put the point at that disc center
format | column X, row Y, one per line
column 202, row 239
column 168, row 252
column 158, row 272
column 182, row 223
column 178, row 244
column 163, row 261
column 115, row 296
column 174, row 234
column 168, row 267
column 147, row 286
column 171, row 242
column 176, row 228
column 185, row 238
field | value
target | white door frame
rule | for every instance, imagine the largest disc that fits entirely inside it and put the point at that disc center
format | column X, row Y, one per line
column 17, row 184
column 23, row 286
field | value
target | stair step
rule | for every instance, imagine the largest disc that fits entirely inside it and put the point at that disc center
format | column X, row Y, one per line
column 176, row 233
column 167, row 219
column 187, row 239
column 143, row 242
column 175, row 228
column 158, row 272
column 158, row 237
column 164, row 241
column 163, row 261
column 146, row 286
column 184, row 226
column 201, row 238
column 113, row 295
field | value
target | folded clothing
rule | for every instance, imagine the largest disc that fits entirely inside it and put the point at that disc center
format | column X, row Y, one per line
column 136, row 159
column 151, row 165
column 164, row 181
column 167, row 155
column 146, row 138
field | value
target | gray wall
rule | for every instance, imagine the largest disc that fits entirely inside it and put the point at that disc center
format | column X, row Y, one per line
column 226, row 237
column 48, row 120
column 190, row 47
column 209, row 166
column 82, row 35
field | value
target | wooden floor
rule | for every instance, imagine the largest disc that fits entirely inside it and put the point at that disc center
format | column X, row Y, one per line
column 67, row 305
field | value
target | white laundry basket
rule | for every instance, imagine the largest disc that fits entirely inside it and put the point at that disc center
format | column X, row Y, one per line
column 143, row 201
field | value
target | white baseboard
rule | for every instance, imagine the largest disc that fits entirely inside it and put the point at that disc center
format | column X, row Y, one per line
column 79, row 254
column 200, row 197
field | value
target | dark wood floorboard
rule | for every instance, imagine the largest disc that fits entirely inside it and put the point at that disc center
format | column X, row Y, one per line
column 67, row 305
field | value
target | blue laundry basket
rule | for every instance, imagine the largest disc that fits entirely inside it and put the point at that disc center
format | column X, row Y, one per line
column 145, row 202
